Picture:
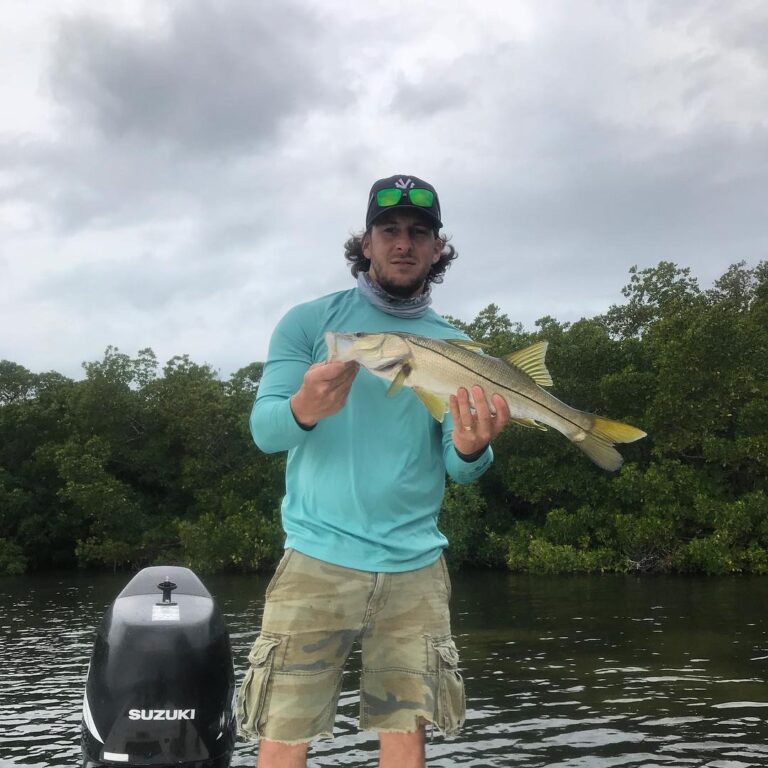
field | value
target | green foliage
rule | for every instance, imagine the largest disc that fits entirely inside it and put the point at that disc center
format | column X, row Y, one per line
column 661, row 291
column 12, row 560
column 461, row 521
column 240, row 541
column 104, row 471
column 136, row 464
column 547, row 558
column 691, row 368
column 644, row 542
column 494, row 329
column 110, row 508
column 705, row 555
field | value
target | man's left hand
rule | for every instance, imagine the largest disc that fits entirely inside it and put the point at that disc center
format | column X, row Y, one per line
column 472, row 432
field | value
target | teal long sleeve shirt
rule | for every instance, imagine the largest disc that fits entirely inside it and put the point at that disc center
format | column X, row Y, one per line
column 364, row 486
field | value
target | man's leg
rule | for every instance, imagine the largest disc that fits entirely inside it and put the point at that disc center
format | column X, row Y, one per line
column 313, row 614
column 275, row 754
column 401, row 750
column 410, row 663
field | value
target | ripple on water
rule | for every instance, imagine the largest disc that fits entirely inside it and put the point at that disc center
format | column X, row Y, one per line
column 546, row 689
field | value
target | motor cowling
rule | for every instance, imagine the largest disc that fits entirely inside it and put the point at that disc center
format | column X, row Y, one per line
column 160, row 687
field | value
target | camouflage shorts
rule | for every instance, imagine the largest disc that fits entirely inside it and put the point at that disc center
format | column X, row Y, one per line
column 314, row 614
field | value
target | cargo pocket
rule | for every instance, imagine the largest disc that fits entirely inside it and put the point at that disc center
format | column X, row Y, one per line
column 254, row 690
column 450, row 704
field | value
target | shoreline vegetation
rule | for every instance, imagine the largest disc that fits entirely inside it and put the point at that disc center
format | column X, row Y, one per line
column 131, row 466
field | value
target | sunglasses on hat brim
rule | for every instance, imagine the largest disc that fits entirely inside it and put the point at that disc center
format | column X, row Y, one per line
column 421, row 198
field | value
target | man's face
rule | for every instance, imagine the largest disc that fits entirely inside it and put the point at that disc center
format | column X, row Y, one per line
column 402, row 248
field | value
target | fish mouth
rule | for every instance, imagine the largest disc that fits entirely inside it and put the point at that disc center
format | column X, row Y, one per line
column 365, row 349
column 330, row 342
column 338, row 344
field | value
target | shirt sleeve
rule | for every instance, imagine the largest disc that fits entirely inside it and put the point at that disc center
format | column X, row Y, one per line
column 458, row 469
column 273, row 426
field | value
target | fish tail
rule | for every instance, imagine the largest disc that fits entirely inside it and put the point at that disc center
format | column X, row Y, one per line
column 599, row 441
column 616, row 431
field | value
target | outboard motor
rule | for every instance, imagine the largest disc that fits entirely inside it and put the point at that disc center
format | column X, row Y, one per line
column 160, row 685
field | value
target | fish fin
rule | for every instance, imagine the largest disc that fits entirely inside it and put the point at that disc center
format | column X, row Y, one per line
column 616, row 431
column 601, row 451
column 598, row 442
column 435, row 404
column 472, row 346
column 399, row 380
column 530, row 423
column 531, row 361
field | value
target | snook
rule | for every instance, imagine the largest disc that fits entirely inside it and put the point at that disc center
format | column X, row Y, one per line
column 436, row 369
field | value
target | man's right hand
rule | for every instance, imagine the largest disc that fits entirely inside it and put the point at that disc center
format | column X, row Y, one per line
column 323, row 391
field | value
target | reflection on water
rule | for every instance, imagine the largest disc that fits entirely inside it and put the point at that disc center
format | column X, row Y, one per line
column 571, row 672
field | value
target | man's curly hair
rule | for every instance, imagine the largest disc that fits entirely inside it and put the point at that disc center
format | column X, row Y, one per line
column 353, row 253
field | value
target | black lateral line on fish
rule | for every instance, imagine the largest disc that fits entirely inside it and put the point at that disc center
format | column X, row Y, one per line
column 499, row 384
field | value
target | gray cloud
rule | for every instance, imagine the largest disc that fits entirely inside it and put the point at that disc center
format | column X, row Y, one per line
column 565, row 248
column 216, row 77
column 180, row 118
column 420, row 99
column 205, row 168
column 592, row 152
column 147, row 282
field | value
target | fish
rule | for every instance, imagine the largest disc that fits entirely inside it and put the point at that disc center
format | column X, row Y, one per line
column 436, row 368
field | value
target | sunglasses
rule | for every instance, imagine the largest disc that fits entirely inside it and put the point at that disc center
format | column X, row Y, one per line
column 423, row 198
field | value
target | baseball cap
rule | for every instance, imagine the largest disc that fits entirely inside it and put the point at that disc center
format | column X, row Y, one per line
column 414, row 193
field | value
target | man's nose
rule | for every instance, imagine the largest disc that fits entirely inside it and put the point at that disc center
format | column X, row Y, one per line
column 403, row 241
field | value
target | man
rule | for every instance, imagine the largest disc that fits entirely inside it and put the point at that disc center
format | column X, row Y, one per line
column 364, row 484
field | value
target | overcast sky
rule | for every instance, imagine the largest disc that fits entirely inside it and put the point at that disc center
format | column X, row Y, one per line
column 176, row 175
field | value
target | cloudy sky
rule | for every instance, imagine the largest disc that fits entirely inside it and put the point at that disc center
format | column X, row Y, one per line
column 176, row 175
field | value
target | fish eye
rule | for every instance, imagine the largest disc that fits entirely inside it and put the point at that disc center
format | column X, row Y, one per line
column 359, row 334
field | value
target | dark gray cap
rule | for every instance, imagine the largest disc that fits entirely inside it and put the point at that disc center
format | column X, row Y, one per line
column 409, row 187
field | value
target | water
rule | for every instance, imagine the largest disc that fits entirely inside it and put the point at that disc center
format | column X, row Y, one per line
column 571, row 672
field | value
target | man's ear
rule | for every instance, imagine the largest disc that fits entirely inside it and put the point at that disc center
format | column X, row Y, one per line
column 365, row 244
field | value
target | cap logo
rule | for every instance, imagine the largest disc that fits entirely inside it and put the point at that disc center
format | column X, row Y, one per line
column 408, row 184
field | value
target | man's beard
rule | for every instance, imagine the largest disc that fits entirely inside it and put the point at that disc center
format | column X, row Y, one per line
column 406, row 291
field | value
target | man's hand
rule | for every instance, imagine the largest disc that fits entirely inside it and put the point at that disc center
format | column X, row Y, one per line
column 472, row 432
column 323, row 391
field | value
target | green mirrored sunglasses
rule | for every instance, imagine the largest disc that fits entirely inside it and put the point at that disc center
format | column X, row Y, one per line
column 423, row 198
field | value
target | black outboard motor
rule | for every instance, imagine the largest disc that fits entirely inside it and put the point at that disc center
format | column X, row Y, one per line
column 160, row 688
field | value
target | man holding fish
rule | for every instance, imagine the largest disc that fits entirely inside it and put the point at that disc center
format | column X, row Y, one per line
column 365, row 478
